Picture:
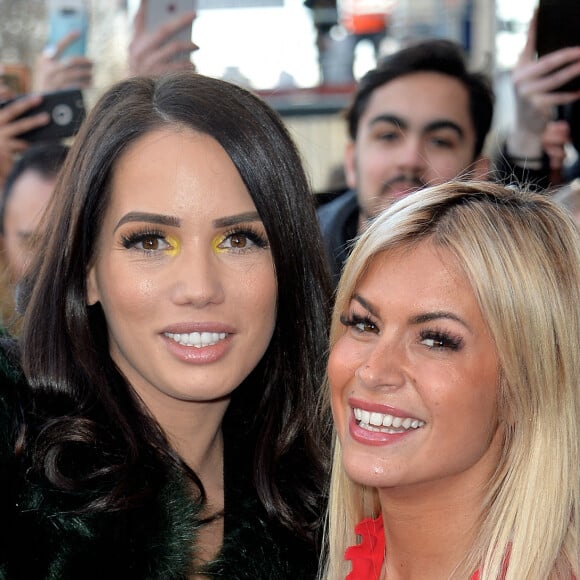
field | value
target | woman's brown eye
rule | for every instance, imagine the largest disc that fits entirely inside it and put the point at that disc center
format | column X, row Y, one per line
column 238, row 241
column 150, row 243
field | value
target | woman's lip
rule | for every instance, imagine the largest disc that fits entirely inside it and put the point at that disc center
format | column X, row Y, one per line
column 376, row 408
column 206, row 354
column 374, row 438
column 189, row 327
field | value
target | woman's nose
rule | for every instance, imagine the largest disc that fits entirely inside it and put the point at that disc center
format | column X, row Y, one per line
column 198, row 278
column 383, row 366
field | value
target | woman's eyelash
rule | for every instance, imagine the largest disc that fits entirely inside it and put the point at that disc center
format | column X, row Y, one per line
column 362, row 323
column 255, row 236
column 438, row 339
column 134, row 238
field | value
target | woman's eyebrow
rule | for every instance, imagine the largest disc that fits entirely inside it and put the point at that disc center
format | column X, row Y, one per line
column 365, row 304
column 168, row 220
column 438, row 315
column 232, row 220
column 153, row 218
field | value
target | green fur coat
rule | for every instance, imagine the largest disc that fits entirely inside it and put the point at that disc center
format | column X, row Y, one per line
column 40, row 539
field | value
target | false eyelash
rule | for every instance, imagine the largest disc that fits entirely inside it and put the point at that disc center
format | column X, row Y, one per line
column 445, row 339
column 130, row 240
column 354, row 320
column 252, row 234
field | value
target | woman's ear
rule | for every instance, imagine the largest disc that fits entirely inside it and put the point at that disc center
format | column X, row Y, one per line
column 92, row 287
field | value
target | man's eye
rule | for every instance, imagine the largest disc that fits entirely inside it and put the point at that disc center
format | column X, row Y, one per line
column 443, row 143
column 390, row 136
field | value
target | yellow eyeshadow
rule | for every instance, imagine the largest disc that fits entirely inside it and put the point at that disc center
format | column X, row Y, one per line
column 174, row 244
column 215, row 244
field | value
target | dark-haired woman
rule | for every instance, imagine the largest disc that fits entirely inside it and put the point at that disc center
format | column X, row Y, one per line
column 173, row 340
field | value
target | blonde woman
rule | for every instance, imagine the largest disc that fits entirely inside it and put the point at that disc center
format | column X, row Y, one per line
column 453, row 382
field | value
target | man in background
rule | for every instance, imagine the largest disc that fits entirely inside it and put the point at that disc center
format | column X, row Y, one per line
column 419, row 118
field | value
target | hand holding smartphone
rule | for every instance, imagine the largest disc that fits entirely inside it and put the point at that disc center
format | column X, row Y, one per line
column 557, row 28
column 66, row 17
column 65, row 110
column 161, row 13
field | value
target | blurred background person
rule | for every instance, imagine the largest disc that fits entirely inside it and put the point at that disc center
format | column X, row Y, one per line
column 27, row 191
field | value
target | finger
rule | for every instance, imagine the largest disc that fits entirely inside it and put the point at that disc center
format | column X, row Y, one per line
column 173, row 66
column 175, row 51
column 18, row 107
column 74, row 78
column 139, row 20
column 25, row 124
column 550, row 82
column 558, row 131
column 65, row 42
column 547, row 64
column 165, row 32
column 13, row 146
column 76, row 62
column 550, row 100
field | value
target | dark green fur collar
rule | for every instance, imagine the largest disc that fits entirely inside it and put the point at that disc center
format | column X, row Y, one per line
column 41, row 540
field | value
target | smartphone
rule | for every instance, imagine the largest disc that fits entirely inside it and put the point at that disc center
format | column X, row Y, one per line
column 557, row 27
column 160, row 12
column 66, row 109
column 64, row 17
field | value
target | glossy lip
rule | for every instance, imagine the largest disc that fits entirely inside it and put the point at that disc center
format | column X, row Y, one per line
column 195, row 355
column 375, row 438
column 355, row 403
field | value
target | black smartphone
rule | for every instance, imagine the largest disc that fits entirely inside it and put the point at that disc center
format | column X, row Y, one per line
column 67, row 111
column 557, row 27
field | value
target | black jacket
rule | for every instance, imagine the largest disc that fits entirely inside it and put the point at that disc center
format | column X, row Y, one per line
column 338, row 219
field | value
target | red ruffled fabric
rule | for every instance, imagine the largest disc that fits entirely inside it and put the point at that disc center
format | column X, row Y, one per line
column 367, row 556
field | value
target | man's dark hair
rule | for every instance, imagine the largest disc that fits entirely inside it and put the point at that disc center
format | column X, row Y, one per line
column 438, row 56
column 46, row 159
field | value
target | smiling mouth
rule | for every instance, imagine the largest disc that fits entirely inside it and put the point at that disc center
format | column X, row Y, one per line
column 385, row 423
column 197, row 339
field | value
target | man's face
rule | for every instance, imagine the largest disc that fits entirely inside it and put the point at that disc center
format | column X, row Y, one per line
column 28, row 199
column 415, row 131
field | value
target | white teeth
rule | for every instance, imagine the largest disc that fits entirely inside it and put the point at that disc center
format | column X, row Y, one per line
column 197, row 339
column 385, row 423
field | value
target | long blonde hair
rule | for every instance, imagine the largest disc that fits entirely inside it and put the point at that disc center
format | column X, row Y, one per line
column 521, row 253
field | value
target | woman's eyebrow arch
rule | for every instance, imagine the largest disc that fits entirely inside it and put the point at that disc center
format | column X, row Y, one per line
column 232, row 220
column 152, row 218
